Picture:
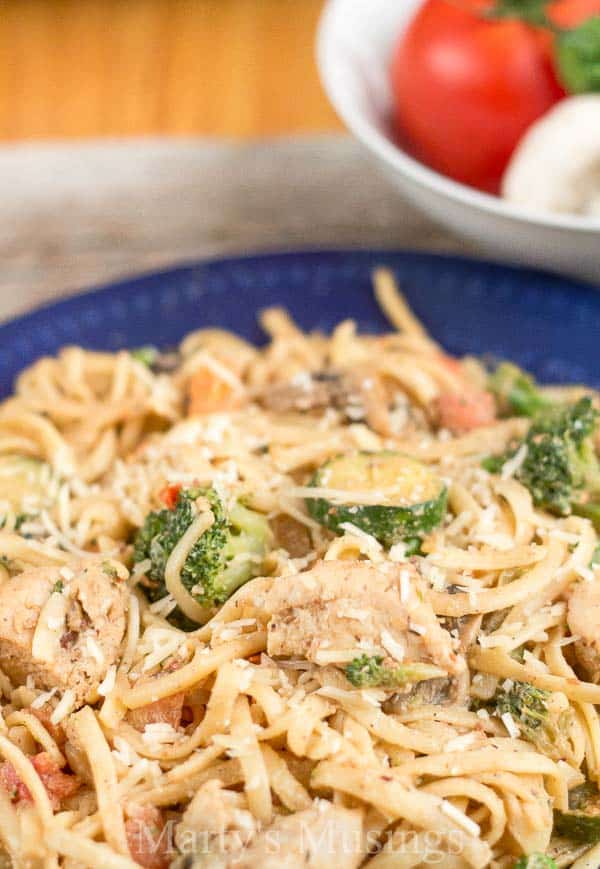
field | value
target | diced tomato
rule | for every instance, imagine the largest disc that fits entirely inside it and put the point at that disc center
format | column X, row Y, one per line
column 170, row 494
column 453, row 365
column 58, row 784
column 208, row 393
column 147, row 838
column 465, row 411
column 168, row 710
column 12, row 784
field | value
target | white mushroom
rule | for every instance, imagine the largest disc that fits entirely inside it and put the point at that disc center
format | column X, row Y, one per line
column 556, row 166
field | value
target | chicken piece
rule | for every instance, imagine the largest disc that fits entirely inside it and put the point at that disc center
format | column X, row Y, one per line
column 347, row 605
column 317, row 838
column 583, row 618
column 63, row 627
column 358, row 394
column 219, row 816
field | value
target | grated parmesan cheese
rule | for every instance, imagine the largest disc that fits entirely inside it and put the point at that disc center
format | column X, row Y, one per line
column 397, row 552
column 392, row 646
column 417, row 629
column 94, row 650
column 367, row 539
column 64, row 707
column 586, row 573
column 510, row 724
column 404, row 586
column 42, row 699
column 159, row 733
column 510, row 468
column 460, row 743
column 460, row 818
column 108, row 683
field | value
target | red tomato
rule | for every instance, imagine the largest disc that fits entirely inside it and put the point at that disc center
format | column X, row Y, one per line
column 169, row 495
column 466, row 88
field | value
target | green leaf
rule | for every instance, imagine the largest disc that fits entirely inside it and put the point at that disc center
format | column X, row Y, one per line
column 530, row 11
column 578, row 57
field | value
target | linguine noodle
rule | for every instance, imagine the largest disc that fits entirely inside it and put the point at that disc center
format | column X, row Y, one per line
column 205, row 739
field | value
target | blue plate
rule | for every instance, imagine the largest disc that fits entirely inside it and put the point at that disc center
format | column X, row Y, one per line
column 546, row 323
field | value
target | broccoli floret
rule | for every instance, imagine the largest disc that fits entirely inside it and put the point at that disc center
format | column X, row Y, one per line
column 369, row 672
column 540, row 718
column 224, row 557
column 535, row 861
column 560, row 467
column 516, row 391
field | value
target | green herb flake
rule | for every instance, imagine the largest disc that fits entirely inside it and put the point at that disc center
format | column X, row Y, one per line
column 146, row 355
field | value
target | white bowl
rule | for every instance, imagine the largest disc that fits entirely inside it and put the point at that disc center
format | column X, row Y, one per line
column 354, row 46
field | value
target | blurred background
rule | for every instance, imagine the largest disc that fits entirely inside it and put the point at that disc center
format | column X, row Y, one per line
column 87, row 68
column 141, row 133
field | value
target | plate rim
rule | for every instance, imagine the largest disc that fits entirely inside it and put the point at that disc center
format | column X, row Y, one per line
column 96, row 290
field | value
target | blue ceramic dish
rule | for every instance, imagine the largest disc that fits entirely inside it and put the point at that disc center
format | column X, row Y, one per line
column 548, row 324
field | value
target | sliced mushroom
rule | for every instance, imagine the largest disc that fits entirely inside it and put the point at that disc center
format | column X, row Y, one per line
column 359, row 395
column 556, row 167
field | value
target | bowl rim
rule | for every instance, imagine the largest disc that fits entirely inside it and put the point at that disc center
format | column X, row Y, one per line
column 391, row 154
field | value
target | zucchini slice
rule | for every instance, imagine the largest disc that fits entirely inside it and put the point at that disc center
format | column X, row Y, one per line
column 23, row 479
column 582, row 822
column 578, row 826
column 388, row 495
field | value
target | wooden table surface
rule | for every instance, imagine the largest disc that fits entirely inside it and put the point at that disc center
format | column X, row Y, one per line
column 75, row 68
column 76, row 215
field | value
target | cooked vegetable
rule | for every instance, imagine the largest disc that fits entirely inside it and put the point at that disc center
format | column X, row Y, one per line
column 535, row 861
column 225, row 556
column 413, row 498
column 370, row 672
column 210, row 393
column 582, row 821
column 540, row 717
column 516, row 391
column 462, row 412
column 23, row 478
column 582, row 794
column 559, row 463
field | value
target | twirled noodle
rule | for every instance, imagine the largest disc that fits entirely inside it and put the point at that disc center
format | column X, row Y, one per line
column 215, row 731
